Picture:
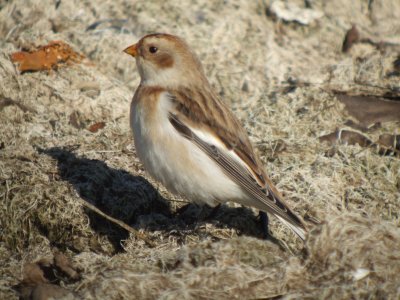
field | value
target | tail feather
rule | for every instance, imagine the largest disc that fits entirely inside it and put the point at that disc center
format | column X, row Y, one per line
column 301, row 232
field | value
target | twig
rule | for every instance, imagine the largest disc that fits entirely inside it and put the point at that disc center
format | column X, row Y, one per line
column 180, row 201
column 101, row 151
column 128, row 228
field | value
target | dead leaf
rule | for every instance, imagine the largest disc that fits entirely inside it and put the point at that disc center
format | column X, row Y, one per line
column 352, row 37
column 96, row 126
column 396, row 68
column 63, row 263
column 390, row 141
column 33, row 274
column 369, row 110
column 37, row 276
column 396, row 64
column 348, row 137
column 46, row 57
column 352, row 124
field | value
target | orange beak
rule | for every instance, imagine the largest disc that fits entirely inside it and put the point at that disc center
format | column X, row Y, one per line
column 132, row 50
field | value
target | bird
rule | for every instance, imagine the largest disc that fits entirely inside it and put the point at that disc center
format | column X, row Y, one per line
column 188, row 139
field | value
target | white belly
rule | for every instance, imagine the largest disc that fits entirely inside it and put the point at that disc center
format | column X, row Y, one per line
column 176, row 162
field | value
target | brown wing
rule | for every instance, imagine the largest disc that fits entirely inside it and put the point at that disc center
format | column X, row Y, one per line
column 211, row 113
column 268, row 198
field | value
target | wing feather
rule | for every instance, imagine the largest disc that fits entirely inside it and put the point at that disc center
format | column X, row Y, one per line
column 215, row 116
column 267, row 195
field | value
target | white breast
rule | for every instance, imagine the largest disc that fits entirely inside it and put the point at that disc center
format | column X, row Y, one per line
column 175, row 161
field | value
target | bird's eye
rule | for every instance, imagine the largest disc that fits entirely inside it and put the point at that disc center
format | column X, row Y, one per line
column 153, row 49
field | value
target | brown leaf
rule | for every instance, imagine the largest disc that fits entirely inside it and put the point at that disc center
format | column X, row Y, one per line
column 63, row 263
column 46, row 57
column 390, row 141
column 396, row 64
column 346, row 137
column 370, row 110
column 352, row 124
column 33, row 274
column 36, row 277
column 352, row 37
column 96, row 126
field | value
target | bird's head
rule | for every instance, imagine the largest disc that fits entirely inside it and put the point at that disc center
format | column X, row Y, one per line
column 166, row 60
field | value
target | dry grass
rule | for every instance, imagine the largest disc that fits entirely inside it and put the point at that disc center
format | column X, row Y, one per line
column 48, row 165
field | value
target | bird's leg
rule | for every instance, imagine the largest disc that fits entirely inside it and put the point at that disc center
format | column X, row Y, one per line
column 264, row 224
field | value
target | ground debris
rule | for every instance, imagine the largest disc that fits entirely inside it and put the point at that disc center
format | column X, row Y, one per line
column 77, row 120
column 390, row 141
column 352, row 37
column 370, row 109
column 62, row 262
column 50, row 56
column 96, row 126
column 41, row 279
column 389, row 146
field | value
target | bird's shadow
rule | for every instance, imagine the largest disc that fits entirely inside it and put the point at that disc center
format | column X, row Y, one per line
column 133, row 200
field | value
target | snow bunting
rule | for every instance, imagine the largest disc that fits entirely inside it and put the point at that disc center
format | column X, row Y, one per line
column 189, row 140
